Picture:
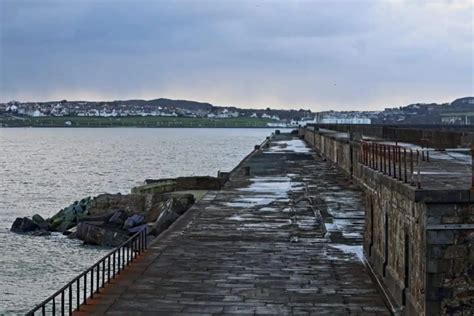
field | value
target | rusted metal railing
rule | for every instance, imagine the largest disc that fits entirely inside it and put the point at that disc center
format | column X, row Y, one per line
column 76, row 293
column 402, row 163
column 394, row 160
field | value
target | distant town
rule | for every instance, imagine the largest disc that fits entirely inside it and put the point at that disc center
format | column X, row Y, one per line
column 166, row 112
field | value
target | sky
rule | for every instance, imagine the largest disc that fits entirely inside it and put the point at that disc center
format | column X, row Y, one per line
column 318, row 55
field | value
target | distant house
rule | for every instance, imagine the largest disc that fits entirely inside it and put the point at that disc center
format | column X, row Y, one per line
column 37, row 113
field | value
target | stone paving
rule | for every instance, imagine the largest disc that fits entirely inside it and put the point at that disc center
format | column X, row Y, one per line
column 284, row 240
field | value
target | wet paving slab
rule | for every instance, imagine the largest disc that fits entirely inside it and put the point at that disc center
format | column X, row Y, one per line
column 284, row 239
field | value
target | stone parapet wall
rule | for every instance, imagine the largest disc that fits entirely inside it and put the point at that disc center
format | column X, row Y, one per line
column 427, row 268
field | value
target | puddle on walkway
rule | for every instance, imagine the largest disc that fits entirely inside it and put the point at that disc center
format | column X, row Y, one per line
column 294, row 145
column 356, row 251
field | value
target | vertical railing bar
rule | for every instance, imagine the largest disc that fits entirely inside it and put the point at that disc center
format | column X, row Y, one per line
column 85, row 289
column 394, row 162
column 405, row 163
column 62, row 303
column 113, row 266
column 78, row 295
column 118, row 263
column 92, row 282
column 70, row 299
column 108, row 269
column 418, row 168
column 54, row 305
column 399, row 163
column 376, row 156
column 103, row 273
column 97, row 278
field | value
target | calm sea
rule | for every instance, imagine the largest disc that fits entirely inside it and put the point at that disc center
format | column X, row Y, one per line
column 44, row 170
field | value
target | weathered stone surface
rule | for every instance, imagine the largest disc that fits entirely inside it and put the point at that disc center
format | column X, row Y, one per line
column 179, row 184
column 133, row 221
column 96, row 235
column 118, row 218
column 23, row 225
column 42, row 224
column 165, row 219
column 130, row 203
column 255, row 248
column 69, row 216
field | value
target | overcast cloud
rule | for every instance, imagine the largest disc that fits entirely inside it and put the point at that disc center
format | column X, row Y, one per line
column 281, row 54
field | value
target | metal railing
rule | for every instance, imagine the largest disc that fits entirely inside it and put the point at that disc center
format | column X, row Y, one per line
column 400, row 162
column 76, row 293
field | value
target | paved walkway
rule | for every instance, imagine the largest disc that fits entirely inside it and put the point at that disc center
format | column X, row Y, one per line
column 284, row 240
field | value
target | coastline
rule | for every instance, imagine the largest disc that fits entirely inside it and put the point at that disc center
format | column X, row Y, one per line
column 138, row 121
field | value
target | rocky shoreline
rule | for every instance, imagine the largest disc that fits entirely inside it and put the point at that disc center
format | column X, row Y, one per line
column 110, row 219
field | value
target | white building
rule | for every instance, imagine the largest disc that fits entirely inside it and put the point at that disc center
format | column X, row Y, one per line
column 344, row 120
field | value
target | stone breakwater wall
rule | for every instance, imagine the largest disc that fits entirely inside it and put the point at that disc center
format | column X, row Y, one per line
column 418, row 243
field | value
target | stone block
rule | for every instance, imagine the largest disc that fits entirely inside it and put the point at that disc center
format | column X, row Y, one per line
column 456, row 251
column 440, row 237
column 438, row 265
column 435, row 252
column 452, row 220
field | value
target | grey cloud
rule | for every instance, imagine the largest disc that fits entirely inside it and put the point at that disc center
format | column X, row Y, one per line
column 359, row 54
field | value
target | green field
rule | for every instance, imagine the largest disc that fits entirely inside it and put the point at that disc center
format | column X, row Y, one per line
column 131, row 121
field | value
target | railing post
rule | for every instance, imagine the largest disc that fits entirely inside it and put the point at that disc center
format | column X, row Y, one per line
column 62, row 303
column 418, row 168
column 394, row 162
column 113, row 266
column 70, row 299
column 400, row 163
column 472, row 168
column 405, row 164
column 108, row 269
column 376, row 156
column 92, row 282
column 78, row 295
column 97, row 278
column 380, row 158
column 85, row 289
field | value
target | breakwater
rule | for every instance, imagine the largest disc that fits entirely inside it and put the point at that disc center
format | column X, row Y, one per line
column 282, row 236
column 44, row 170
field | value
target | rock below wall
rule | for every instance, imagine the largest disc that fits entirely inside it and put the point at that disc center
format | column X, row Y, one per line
column 97, row 235
column 109, row 219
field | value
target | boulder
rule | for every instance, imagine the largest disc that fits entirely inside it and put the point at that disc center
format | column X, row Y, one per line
column 118, row 219
column 96, row 235
column 41, row 222
column 24, row 225
column 70, row 231
column 165, row 219
column 130, row 203
column 103, row 217
column 133, row 221
column 182, row 203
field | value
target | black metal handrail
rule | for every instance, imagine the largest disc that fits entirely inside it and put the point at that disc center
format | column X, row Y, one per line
column 85, row 285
